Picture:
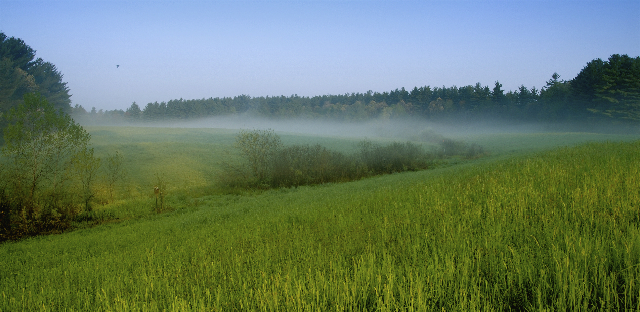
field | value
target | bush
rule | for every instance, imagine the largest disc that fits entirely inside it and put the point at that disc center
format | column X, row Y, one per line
column 259, row 148
column 395, row 157
column 269, row 164
column 305, row 165
column 45, row 151
column 449, row 148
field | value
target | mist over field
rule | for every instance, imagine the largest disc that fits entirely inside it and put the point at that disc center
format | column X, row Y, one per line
column 400, row 128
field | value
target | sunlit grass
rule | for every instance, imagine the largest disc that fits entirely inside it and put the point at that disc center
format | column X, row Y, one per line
column 555, row 230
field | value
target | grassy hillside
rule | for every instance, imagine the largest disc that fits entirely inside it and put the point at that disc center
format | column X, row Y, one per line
column 553, row 229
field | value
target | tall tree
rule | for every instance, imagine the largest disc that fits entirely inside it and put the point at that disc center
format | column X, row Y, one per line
column 555, row 98
column 20, row 74
column 50, row 85
column 133, row 112
column 497, row 95
column 619, row 90
column 584, row 85
column 17, row 51
column 610, row 88
column 42, row 143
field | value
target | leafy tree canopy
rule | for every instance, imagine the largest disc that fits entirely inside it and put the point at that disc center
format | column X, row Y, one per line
column 21, row 73
column 42, row 144
column 611, row 87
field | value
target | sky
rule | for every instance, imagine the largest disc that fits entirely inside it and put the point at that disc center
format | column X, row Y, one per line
column 200, row 49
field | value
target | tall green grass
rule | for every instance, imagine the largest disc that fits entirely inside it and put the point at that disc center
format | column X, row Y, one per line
column 557, row 230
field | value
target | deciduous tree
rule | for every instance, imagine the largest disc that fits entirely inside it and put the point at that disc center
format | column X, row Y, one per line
column 43, row 146
column 259, row 147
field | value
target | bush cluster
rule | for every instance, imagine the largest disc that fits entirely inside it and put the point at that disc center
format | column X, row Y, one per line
column 306, row 165
column 392, row 158
column 270, row 164
column 48, row 172
column 449, row 147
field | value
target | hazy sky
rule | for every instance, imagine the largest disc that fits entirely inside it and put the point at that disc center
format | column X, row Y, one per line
column 200, row 49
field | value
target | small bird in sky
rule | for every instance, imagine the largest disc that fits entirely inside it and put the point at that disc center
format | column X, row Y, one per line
column 117, row 66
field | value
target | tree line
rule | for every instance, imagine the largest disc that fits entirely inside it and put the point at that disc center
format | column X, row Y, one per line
column 602, row 90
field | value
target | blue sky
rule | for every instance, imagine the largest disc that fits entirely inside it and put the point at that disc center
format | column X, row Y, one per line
column 200, row 49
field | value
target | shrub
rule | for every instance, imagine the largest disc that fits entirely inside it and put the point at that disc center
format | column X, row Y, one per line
column 45, row 153
column 395, row 157
column 305, row 165
column 259, row 148
column 269, row 164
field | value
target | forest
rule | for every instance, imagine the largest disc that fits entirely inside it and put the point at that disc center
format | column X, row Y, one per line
column 602, row 91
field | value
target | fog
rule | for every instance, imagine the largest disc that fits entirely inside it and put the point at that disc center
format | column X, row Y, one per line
column 402, row 128
column 408, row 128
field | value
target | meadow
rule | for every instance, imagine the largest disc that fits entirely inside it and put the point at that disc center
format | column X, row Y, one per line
column 545, row 221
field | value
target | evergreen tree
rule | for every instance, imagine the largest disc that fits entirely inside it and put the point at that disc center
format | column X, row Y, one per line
column 609, row 88
column 20, row 74
column 555, row 97
column 49, row 84
column 497, row 94
column 619, row 89
column 133, row 112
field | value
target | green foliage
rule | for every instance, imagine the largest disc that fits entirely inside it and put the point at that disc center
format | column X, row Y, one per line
column 6, row 208
column 259, row 148
column 133, row 112
column 49, row 84
column 610, row 88
column 497, row 94
column 196, row 161
column 298, row 165
column 449, row 147
column 46, row 154
column 21, row 74
column 17, row 51
column 556, row 98
column 273, row 165
column 392, row 158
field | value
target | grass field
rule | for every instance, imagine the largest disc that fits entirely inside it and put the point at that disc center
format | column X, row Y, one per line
column 529, row 227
